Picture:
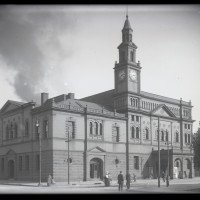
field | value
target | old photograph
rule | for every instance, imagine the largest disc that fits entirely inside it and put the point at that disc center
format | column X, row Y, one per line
column 99, row 98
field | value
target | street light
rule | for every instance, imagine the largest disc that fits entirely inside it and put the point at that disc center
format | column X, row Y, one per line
column 37, row 125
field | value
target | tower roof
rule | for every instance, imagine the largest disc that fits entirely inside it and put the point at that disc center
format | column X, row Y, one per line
column 127, row 24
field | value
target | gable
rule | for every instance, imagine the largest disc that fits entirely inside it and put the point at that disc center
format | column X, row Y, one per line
column 10, row 105
column 163, row 110
column 96, row 150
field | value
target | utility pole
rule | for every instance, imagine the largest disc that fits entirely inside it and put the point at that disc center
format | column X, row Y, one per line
column 39, row 134
column 68, row 160
column 158, row 152
column 167, row 181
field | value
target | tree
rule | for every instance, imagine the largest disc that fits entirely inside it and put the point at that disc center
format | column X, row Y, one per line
column 196, row 147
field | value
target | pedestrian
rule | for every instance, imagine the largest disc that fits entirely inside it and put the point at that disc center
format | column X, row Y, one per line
column 163, row 176
column 109, row 178
column 134, row 177
column 49, row 180
column 53, row 181
column 120, row 180
column 128, row 180
column 106, row 179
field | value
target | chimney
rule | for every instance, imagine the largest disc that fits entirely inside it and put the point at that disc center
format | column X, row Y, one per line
column 71, row 95
column 44, row 97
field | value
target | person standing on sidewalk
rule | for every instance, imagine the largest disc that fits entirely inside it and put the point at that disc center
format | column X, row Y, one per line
column 128, row 180
column 49, row 180
column 120, row 180
column 106, row 178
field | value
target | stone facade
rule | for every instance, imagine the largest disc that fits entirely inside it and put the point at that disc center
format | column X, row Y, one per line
column 116, row 130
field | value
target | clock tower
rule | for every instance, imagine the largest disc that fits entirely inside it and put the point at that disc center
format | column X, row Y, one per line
column 127, row 72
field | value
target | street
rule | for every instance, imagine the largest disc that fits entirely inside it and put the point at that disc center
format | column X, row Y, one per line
column 138, row 187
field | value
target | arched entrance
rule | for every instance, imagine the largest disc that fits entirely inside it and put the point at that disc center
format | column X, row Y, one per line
column 177, row 168
column 11, row 169
column 96, row 168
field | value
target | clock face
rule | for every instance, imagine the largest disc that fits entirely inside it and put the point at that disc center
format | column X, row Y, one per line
column 121, row 74
column 132, row 75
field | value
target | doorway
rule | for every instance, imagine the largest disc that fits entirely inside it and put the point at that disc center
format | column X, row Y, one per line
column 96, row 168
column 11, row 169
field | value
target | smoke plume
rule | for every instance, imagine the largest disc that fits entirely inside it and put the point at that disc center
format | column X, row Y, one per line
column 29, row 41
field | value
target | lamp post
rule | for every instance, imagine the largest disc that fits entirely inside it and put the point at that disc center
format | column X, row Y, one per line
column 37, row 125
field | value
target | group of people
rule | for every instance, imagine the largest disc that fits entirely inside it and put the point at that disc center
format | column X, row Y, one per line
column 120, row 178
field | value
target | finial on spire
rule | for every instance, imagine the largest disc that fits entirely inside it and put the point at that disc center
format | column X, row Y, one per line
column 127, row 12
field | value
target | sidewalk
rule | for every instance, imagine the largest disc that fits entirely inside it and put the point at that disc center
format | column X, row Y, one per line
column 99, row 183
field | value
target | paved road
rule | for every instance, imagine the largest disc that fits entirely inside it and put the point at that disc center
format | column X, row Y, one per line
column 140, row 186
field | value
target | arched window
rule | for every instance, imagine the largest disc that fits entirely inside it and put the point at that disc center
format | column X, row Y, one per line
column 45, row 128
column 26, row 128
column 162, row 135
column 185, row 137
column 177, row 137
column 123, row 56
column 7, row 132
column 127, row 38
column 16, row 130
column 133, row 132
column 177, row 164
column 137, row 132
column 101, row 129
column 157, row 132
column 130, row 37
column 11, row 131
column 167, row 136
column 188, row 138
column 147, row 133
column 91, row 128
column 123, row 39
column 96, row 128
column 188, row 164
column 131, row 55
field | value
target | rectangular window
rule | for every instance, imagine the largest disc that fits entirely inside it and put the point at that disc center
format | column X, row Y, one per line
column 185, row 126
column 188, row 126
column 71, row 129
column 137, row 118
column 2, row 164
column 37, row 162
column 115, row 135
column 136, row 162
column 20, row 163
column 132, row 117
column 27, row 162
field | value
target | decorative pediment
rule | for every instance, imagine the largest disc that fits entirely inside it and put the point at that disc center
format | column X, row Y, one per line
column 10, row 105
column 163, row 110
column 96, row 150
column 11, row 152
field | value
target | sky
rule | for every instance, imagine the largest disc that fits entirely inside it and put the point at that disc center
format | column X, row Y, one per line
column 72, row 48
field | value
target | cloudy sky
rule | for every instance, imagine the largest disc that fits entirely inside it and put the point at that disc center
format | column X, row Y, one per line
column 73, row 48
